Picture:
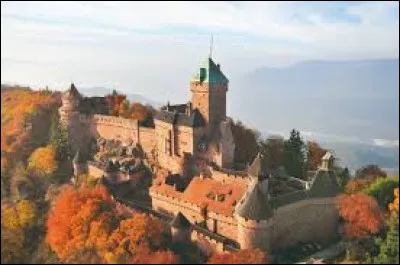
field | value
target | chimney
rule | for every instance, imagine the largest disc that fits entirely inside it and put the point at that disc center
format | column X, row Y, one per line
column 219, row 66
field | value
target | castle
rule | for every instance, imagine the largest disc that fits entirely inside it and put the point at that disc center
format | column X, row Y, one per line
column 191, row 153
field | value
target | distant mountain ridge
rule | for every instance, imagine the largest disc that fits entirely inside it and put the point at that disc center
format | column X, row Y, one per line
column 348, row 98
column 355, row 101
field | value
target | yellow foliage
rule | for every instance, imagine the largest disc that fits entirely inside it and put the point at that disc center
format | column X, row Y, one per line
column 27, row 213
column 110, row 258
column 19, row 216
column 394, row 207
column 43, row 160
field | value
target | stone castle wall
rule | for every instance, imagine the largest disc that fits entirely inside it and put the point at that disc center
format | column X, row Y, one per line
column 116, row 128
column 304, row 221
column 217, row 223
column 310, row 220
column 180, row 141
column 206, row 244
column 147, row 139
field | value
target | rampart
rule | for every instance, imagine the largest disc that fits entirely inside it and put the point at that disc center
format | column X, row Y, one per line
column 217, row 223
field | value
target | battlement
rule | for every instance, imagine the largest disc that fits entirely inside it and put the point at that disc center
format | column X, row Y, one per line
column 115, row 121
column 229, row 176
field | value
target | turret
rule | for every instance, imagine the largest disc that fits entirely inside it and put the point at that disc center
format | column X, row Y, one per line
column 253, row 212
column 180, row 229
column 70, row 105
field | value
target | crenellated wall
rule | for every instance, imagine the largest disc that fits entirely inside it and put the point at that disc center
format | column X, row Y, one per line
column 229, row 177
column 206, row 244
column 116, row 128
column 217, row 223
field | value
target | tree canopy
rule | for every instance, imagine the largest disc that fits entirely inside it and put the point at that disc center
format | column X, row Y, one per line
column 43, row 161
column 294, row 157
column 247, row 256
column 361, row 214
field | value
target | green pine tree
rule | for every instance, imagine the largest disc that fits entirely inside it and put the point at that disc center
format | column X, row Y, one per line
column 388, row 247
column 343, row 176
column 59, row 138
column 294, row 155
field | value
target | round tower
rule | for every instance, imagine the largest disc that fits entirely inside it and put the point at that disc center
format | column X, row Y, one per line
column 253, row 212
column 70, row 106
column 180, row 229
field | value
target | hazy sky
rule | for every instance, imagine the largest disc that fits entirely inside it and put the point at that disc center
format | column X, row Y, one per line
column 152, row 48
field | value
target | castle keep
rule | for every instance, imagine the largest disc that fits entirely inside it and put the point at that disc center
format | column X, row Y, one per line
column 190, row 150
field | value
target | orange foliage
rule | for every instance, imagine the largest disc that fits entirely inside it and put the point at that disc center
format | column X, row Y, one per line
column 314, row 155
column 84, row 226
column 114, row 102
column 139, row 112
column 394, row 207
column 15, row 104
column 140, row 230
column 247, row 256
column 146, row 256
column 361, row 214
column 357, row 185
column 81, row 220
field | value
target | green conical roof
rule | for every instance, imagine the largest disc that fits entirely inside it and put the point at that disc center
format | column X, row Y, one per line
column 209, row 72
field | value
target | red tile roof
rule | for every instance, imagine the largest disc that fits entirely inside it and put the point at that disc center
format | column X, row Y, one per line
column 203, row 192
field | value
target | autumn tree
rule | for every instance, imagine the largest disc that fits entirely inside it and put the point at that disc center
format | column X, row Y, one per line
column 361, row 215
column 21, row 185
column 389, row 245
column 394, row 206
column 314, row 155
column 136, row 234
column 43, row 161
column 141, row 113
column 114, row 101
column 18, row 216
column 272, row 150
column 247, row 256
column 80, row 223
column 382, row 190
column 124, row 109
column 12, row 245
column 294, row 156
column 357, row 185
column 370, row 172
column 146, row 256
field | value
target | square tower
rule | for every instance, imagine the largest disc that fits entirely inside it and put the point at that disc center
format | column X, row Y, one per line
column 209, row 88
